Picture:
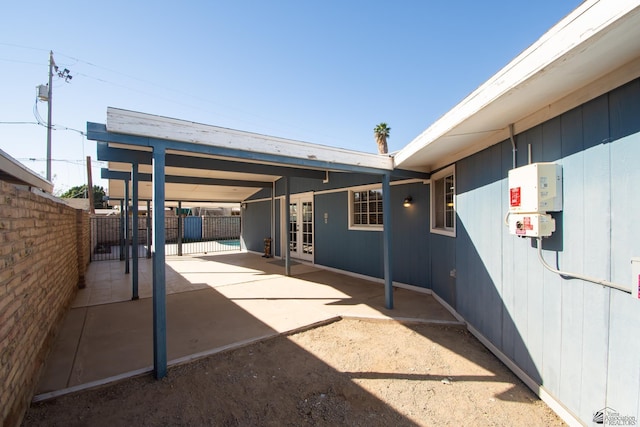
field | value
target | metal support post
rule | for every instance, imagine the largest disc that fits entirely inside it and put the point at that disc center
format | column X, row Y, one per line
column 159, row 273
column 149, row 229
column 127, row 234
column 287, row 221
column 122, row 237
column 179, row 228
column 134, row 226
column 386, row 237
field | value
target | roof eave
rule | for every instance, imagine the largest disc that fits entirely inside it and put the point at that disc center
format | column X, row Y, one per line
column 533, row 73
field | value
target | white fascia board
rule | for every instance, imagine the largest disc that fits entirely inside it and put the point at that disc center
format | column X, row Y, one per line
column 585, row 22
column 152, row 126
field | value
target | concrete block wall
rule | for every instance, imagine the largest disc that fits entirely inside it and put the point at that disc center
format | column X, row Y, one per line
column 43, row 256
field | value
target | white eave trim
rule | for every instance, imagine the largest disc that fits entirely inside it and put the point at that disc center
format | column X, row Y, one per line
column 585, row 22
column 22, row 174
column 152, row 126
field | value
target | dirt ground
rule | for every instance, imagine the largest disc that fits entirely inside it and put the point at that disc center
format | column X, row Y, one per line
column 350, row 372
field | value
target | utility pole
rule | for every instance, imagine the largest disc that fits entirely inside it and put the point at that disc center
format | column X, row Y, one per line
column 50, row 94
column 63, row 75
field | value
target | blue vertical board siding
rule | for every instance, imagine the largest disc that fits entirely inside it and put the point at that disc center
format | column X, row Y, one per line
column 277, row 239
column 519, row 257
column 576, row 338
column 508, row 338
column 597, row 215
column 572, row 259
column 625, row 199
column 567, row 334
column 625, row 162
column 624, row 111
column 361, row 251
column 256, row 225
column 493, row 244
column 551, row 283
column 623, row 382
column 443, row 260
column 594, row 349
column 535, row 286
column 478, row 269
column 338, row 247
column 410, row 238
column 463, row 242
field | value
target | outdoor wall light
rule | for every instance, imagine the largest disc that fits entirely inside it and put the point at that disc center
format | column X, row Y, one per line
column 243, row 206
column 407, row 201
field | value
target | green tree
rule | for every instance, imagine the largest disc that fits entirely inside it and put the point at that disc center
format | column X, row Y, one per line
column 80, row 192
column 381, row 133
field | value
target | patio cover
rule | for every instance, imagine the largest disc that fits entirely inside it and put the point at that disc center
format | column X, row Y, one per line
column 184, row 161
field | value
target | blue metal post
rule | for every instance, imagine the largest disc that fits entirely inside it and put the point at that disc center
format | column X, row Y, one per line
column 386, row 237
column 134, row 226
column 287, row 221
column 180, row 228
column 159, row 277
column 149, row 229
column 122, row 237
column 126, row 227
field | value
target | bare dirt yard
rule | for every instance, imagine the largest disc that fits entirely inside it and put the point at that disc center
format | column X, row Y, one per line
column 350, row 372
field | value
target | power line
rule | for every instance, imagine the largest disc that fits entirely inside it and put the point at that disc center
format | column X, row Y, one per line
column 219, row 107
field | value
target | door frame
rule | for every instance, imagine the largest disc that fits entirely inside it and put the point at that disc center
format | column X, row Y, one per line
column 298, row 199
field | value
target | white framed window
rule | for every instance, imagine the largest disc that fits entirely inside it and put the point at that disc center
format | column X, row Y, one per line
column 443, row 202
column 365, row 208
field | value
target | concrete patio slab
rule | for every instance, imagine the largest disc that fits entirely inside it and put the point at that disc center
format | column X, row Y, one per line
column 214, row 302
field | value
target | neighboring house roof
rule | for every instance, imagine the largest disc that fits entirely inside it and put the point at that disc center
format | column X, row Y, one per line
column 591, row 51
column 13, row 171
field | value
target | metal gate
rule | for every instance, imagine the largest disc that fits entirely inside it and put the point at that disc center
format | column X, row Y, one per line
column 184, row 235
column 202, row 234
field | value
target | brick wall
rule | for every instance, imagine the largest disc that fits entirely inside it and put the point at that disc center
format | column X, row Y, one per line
column 44, row 252
column 83, row 243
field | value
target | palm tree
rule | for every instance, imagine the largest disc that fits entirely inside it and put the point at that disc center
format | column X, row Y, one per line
column 381, row 132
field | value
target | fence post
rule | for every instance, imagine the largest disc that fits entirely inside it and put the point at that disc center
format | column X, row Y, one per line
column 121, row 230
column 179, row 228
column 126, row 226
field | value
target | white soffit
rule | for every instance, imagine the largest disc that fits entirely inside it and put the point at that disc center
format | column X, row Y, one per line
column 198, row 173
column 591, row 42
column 152, row 126
column 187, row 192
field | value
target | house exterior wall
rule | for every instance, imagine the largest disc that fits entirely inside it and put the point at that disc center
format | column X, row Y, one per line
column 43, row 256
column 357, row 251
column 256, row 225
column 577, row 339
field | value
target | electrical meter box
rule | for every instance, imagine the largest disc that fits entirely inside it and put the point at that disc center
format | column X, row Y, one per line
column 635, row 277
column 535, row 188
column 531, row 225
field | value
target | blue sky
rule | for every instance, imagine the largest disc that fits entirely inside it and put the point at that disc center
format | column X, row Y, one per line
column 322, row 72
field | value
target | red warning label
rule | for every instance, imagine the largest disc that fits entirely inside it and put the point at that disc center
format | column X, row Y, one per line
column 515, row 196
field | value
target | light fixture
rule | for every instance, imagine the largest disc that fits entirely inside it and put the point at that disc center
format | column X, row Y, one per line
column 243, row 206
column 407, row 201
